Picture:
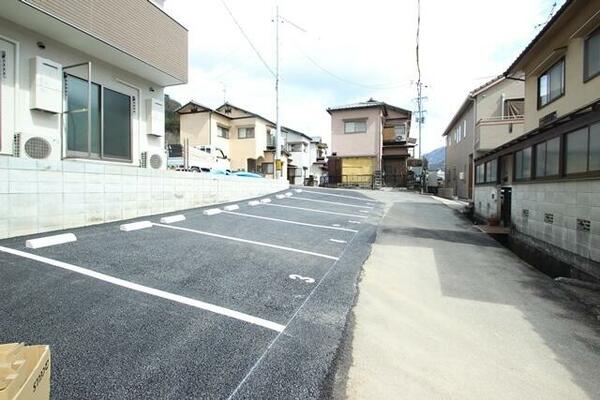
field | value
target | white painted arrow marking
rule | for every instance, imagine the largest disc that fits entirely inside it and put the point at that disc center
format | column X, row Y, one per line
column 302, row 278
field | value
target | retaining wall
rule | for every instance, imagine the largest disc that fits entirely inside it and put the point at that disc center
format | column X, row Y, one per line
column 40, row 196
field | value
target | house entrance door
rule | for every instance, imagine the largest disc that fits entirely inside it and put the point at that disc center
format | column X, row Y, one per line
column 7, row 94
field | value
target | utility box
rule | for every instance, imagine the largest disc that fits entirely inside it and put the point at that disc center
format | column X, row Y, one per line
column 155, row 117
column 24, row 372
column 46, row 85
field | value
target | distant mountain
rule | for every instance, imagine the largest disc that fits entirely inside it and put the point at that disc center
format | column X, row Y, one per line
column 436, row 159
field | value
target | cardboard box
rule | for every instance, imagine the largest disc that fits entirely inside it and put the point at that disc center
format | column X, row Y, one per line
column 24, row 372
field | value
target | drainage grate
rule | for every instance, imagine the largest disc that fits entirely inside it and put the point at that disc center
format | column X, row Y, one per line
column 549, row 218
column 155, row 161
column 583, row 225
column 16, row 145
column 37, row 147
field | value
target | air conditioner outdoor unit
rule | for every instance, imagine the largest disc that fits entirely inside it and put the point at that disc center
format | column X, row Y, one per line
column 155, row 161
column 36, row 147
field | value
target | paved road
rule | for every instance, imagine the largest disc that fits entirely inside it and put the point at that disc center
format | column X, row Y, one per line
column 445, row 312
column 202, row 308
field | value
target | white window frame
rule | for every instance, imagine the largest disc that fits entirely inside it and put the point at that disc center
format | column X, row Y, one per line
column 354, row 121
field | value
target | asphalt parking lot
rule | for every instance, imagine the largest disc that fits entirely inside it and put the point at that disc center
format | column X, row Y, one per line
column 247, row 303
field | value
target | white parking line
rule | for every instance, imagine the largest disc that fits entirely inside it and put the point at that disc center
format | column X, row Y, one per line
column 287, row 221
column 353, row 222
column 338, row 195
column 273, row 246
column 337, row 241
column 330, row 202
column 318, row 211
column 148, row 290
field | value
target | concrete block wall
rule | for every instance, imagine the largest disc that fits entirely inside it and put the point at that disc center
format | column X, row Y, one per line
column 486, row 201
column 42, row 196
column 566, row 201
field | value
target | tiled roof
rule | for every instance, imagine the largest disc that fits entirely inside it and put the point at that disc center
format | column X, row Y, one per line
column 368, row 104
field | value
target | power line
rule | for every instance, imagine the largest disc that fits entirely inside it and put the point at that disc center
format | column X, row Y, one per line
column 549, row 17
column 248, row 38
column 348, row 81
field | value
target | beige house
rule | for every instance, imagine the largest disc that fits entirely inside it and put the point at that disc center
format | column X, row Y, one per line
column 367, row 139
column 545, row 184
column 246, row 138
column 490, row 115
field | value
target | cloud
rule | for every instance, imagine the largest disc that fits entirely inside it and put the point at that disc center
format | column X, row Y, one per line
column 362, row 49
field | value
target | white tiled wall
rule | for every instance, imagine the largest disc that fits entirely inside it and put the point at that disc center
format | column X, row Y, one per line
column 486, row 201
column 567, row 202
column 39, row 196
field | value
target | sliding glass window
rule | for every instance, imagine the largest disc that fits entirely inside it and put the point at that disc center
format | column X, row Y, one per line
column 79, row 144
column 117, row 125
column 547, row 158
column 110, row 112
column 592, row 56
column 491, row 171
column 551, row 84
column 523, row 164
column 582, row 151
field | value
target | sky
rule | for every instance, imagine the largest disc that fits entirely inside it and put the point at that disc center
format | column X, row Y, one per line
column 335, row 52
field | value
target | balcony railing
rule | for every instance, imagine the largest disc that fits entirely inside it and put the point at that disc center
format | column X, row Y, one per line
column 495, row 131
column 501, row 119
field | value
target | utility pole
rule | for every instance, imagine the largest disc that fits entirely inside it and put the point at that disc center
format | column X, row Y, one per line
column 420, row 112
column 278, row 124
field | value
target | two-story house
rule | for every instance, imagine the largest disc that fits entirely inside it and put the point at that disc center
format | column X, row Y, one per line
column 367, row 139
column 307, row 157
column 545, row 184
column 490, row 115
column 246, row 138
column 298, row 145
column 79, row 81
column 318, row 160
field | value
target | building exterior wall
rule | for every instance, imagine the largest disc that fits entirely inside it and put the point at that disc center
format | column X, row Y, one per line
column 41, row 196
column 136, row 27
column 486, row 199
column 195, row 128
column 37, row 123
column 243, row 149
column 546, row 53
column 489, row 103
column 215, row 139
column 357, row 144
column 301, row 159
column 355, row 166
column 567, row 202
column 457, row 154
